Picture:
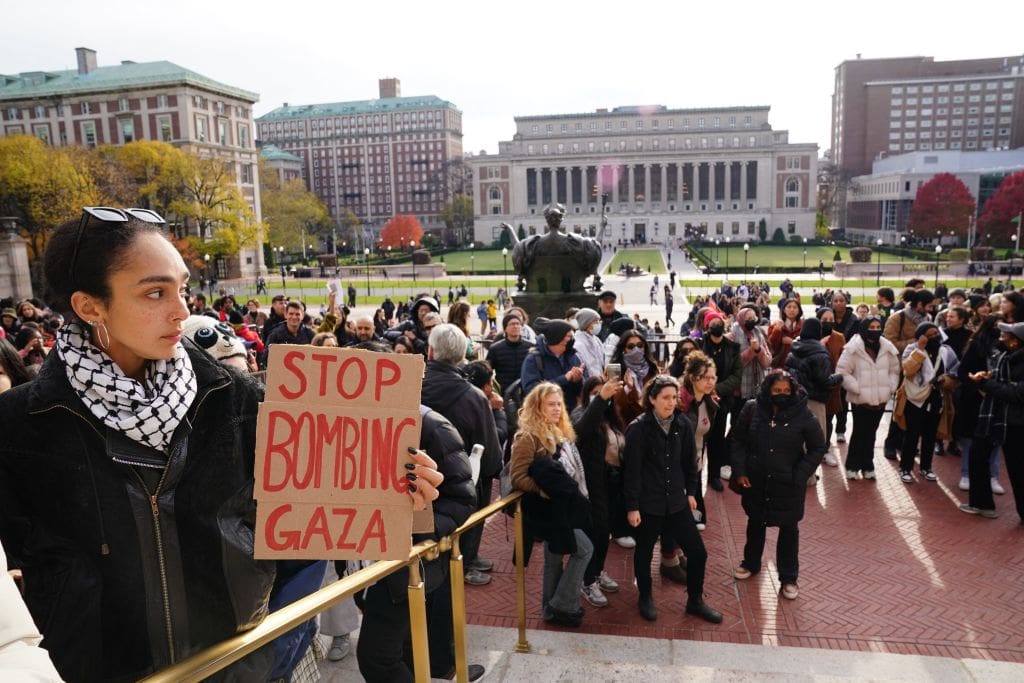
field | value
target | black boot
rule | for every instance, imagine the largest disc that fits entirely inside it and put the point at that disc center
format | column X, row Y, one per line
column 675, row 574
column 647, row 609
column 704, row 611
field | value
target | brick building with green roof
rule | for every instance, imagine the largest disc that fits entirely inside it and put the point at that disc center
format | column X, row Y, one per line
column 96, row 105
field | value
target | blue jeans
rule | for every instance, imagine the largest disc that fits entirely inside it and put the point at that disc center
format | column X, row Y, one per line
column 562, row 584
column 993, row 459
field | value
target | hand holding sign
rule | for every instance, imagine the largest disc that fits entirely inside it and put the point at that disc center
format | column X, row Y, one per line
column 423, row 479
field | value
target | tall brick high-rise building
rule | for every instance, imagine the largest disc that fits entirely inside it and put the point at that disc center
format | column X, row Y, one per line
column 376, row 158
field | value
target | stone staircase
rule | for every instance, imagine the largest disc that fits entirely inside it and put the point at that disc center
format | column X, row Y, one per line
column 588, row 658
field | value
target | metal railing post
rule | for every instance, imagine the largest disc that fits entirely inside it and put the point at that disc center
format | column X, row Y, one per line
column 418, row 624
column 520, row 548
column 455, row 575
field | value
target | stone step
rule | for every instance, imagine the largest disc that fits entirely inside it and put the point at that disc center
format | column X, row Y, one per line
column 587, row 658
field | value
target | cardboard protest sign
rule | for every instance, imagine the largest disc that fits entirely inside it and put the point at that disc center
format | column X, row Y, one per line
column 332, row 440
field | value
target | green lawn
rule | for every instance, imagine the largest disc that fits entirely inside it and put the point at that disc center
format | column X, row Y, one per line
column 779, row 256
column 648, row 259
column 482, row 261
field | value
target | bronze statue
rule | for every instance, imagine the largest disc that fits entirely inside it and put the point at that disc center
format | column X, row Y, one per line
column 551, row 268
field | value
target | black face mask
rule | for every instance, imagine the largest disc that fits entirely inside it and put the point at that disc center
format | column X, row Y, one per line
column 749, row 325
column 717, row 330
column 872, row 337
column 570, row 345
column 826, row 329
column 781, row 400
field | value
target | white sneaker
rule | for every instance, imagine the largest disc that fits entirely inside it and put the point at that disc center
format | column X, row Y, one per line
column 830, row 460
column 607, row 583
column 965, row 484
column 701, row 526
column 869, row 474
column 997, row 487
column 340, row 647
column 851, row 474
column 594, row 595
column 626, row 542
column 726, row 472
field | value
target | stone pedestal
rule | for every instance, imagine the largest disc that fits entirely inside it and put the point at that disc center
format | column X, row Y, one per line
column 15, row 277
column 553, row 305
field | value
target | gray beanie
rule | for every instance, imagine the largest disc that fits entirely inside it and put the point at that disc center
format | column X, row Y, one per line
column 585, row 317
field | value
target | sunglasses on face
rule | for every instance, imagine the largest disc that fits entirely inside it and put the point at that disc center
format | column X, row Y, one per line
column 630, row 347
column 109, row 214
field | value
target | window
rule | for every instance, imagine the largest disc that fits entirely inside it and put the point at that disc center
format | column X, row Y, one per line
column 40, row 111
column 792, row 162
column 161, row 101
column 533, row 129
column 89, row 133
column 200, row 128
column 640, row 124
column 127, row 130
column 42, row 132
column 792, row 193
column 222, row 132
column 122, row 104
column 86, row 108
column 243, row 135
column 700, row 122
column 247, row 174
column 791, row 227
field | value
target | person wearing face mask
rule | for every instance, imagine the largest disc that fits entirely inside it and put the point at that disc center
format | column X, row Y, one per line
column 755, row 356
column 729, row 369
column 559, row 362
column 899, row 330
column 784, row 332
column 1000, row 421
column 777, row 444
column 588, row 346
column 981, row 347
column 836, row 405
column 809, row 364
column 633, row 355
column 870, row 368
column 929, row 370
column 683, row 348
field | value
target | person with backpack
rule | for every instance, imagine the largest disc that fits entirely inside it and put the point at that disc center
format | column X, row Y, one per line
column 810, row 365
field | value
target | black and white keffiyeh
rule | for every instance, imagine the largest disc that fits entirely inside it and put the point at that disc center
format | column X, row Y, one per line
column 147, row 412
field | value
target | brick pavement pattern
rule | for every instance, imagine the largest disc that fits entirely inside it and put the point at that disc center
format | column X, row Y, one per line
column 884, row 567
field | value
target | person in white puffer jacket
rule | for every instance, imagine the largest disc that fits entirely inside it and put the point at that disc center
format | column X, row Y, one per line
column 870, row 366
column 21, row 658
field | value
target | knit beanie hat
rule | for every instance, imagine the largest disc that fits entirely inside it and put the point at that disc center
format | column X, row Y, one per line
column 811, row 329
column 555, row 331
column 622, row 325
column 585, row 317
column 509, row 317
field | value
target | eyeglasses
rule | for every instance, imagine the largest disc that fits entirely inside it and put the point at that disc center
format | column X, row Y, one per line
column 630, row 347
column 108, row 214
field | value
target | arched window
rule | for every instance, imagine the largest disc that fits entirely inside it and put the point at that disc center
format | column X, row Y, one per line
column 495, row 194
column 792, row 200
column 792, row 185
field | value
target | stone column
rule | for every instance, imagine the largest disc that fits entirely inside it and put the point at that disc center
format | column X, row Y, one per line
column 695, row 189
column 743, row 185
column 663, row 179
column 15, row 276
column 568, row 189
column 711, row 183
column 631, row 187
column 647, row 184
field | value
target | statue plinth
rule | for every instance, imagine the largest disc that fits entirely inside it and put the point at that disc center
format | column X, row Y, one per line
column 553, row 305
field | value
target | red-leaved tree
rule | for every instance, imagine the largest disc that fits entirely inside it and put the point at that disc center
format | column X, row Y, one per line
column 942, row 204
column 1001, row 208
column 400, row 232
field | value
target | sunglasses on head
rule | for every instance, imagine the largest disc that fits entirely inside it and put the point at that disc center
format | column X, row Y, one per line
column 109, row 214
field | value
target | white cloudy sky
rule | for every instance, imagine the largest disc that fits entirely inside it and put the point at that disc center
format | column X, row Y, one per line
column 496, row 60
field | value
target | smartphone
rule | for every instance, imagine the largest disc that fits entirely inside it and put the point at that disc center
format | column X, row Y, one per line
column 613, row 371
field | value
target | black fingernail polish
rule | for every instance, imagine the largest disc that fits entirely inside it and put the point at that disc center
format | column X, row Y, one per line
column 410, row 465
column 412, row 450
column 412, row 487
column 411, row 477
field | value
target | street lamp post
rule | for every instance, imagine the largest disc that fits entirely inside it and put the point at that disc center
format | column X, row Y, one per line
column 746, row 251
column 412, row 253
column 938, row 252
column 280, row 264
column 209, row 280
column 366, row 261
column 878, row 275
column 504, row 267
column 903, row 250
column 717, row 246
column 728, row 239
column 472, row 259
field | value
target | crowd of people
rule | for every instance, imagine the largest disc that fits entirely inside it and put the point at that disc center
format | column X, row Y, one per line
column 126, row 468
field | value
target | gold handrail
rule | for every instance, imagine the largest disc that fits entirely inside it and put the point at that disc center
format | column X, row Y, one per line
column 220, row 655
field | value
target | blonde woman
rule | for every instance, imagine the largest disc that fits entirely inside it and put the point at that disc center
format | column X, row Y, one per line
column 546, row 464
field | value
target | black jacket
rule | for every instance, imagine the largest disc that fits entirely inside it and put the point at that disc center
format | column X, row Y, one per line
column 553, row 519
column 809, row 363
column 778, row 453
column 660, row 469
column 90, row 539
column 847, row 324
column 507, row 360
column 592, row 441
column 968, row 399
column 446, row 390
column 552, row 369
column 728, row 366
column 1009, row 395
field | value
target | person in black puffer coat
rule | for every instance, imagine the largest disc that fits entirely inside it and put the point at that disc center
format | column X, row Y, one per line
column 809, row 363
column 776, row 446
